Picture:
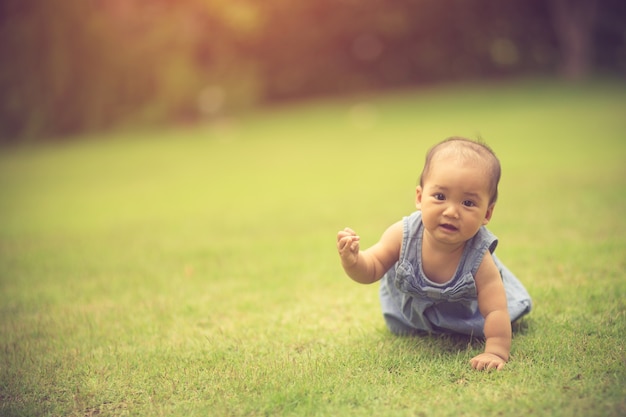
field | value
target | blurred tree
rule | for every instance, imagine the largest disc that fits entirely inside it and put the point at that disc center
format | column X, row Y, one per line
column 68, row 66
column 39, row 83
column 574, row 22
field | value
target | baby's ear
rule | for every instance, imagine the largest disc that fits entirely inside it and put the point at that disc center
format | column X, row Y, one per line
column 489, row 214
column 418, row 197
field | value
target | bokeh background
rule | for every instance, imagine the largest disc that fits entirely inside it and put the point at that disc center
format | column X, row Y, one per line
column 173, row 174
column 69, row 67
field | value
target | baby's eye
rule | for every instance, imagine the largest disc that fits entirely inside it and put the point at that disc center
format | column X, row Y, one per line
column 439, row 196
column 469, row 203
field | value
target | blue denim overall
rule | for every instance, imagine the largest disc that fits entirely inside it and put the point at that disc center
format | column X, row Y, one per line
column 411, row 302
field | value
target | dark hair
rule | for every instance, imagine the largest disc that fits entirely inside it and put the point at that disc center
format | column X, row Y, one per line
column 472, row 149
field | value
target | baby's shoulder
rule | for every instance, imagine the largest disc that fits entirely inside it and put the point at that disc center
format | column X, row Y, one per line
column 393, row 234
column 391, row 240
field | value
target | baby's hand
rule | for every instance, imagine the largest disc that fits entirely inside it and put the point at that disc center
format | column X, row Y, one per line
column 487, row 361
column 348, row 246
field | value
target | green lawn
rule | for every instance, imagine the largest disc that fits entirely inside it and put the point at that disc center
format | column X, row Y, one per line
column 193, row 272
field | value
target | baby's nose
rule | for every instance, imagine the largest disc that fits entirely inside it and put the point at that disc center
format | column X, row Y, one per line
column 451, row 211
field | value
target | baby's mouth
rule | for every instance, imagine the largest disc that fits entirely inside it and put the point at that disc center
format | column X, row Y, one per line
column 449, row 227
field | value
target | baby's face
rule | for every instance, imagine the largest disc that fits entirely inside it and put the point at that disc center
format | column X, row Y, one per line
column 454, row 199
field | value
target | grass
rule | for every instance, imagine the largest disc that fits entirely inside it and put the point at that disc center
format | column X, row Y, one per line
column 193, row 272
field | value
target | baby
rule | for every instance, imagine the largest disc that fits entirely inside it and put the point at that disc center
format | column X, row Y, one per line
column 439, row 273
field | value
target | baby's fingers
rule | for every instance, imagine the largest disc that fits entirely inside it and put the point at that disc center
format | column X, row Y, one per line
column 348, row 242
column 486, row 363
column 493, row 365
column 482, row 366
column 349, row 231
column 345, row 232
column 348, row 249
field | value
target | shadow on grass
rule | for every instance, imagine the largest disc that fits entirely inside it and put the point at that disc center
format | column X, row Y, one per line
column 446, row 344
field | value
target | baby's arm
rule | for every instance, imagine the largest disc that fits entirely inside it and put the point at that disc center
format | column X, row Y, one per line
column 370, row 265
column 492, row 305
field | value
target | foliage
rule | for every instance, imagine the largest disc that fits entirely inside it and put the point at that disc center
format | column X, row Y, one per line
column 193, row 272
column 73, row 66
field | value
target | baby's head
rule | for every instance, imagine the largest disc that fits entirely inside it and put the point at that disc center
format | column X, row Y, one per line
column 466, row 150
